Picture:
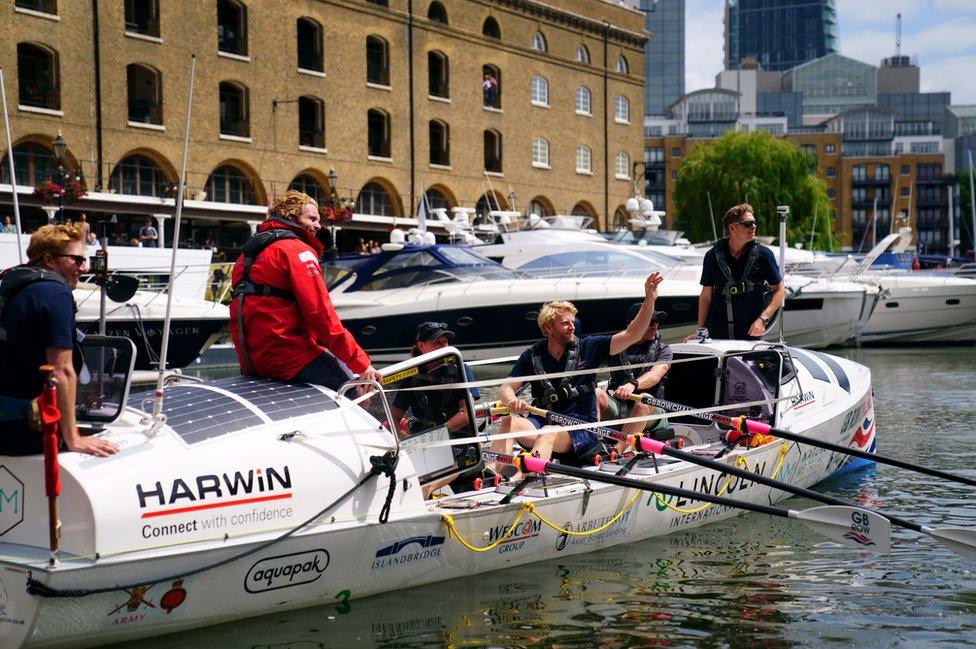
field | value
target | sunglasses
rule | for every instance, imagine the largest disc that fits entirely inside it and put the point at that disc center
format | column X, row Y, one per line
column 78, row 259
column 652, row 323
column 749, row 225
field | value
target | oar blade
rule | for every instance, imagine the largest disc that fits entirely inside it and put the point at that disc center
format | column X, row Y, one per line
column 849, row 525
column 959, row 539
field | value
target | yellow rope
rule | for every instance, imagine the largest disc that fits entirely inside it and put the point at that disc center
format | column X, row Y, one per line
column 784, row 448
column 610, row 522
column 739, row 461
column 452, row 530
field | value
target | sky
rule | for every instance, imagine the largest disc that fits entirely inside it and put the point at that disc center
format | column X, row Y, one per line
column 942, row 33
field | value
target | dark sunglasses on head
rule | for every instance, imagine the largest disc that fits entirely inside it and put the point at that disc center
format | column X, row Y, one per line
column 78, row 259
column 747, row 224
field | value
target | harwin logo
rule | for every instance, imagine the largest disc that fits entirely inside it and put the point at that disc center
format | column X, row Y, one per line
column 259, row 484
column 286, row 570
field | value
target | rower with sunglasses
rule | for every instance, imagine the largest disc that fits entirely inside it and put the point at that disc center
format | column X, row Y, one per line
column 741, row 284
column 37, row 327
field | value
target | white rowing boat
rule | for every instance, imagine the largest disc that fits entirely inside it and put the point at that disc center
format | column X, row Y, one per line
column 151, row 538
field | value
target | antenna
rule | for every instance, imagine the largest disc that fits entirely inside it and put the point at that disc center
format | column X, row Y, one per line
column 898, row 34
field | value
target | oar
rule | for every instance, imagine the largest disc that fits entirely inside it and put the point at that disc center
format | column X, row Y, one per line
column 742, row 425
column 851, row 525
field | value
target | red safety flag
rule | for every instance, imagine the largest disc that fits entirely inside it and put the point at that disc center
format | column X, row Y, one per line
column 50, row 414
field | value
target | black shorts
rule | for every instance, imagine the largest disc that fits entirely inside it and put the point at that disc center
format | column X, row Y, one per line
column 17, row 438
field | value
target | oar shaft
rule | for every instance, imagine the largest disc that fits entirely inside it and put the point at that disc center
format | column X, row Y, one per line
column 765, row 429
column 541, row 466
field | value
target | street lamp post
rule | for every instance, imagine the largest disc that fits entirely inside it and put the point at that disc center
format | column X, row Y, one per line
column 60, row 148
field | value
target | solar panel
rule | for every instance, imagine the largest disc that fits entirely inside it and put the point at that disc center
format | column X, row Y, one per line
column 201, row 411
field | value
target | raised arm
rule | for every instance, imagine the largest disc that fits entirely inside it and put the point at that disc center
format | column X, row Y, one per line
column 624, row 339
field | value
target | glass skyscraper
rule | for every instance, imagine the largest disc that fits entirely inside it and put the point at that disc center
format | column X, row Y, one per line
column 664, row 54
column 780, row 34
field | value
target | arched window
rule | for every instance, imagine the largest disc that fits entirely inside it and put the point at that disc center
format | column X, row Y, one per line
column 32, row 163
column 309, row 44
column 582, row 54
column 490, row 28
column 378, row 133
column 540, row 91
column 234, row 113
column 493, row 151
column 307, row 184
column 539, row 42
column 137, row 175
column 583, row 103
column 232, row 27
column 540, row 152
column 621, row 166
column 228, row 185
column 438, row 75
column 584, row 160
column 583, row 209
column 311, row 122
column 440, row 143
column 621, row 109
column 492, row 86
column 373, row 199
column 622, row 66
column 142, row 17
column 377, row 61
column 489, row 201
column 39, row 81
column 145, row 87
column 436, row 199
column 539, row 206
column 437, row 13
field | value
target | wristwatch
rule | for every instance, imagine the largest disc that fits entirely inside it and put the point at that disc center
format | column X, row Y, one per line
column 635, row 384
column 764, row 319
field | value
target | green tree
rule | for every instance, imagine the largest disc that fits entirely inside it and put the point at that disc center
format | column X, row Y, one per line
column 758, row 169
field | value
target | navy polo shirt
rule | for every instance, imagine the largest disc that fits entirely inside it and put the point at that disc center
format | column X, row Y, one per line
column 745, row 307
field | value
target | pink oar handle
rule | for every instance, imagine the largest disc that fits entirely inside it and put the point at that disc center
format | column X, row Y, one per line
column 533, row 464
column 649, row 445
column 758, row 427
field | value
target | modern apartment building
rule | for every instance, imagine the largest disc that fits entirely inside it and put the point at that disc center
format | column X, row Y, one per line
column 779, row 34
column 664, row 54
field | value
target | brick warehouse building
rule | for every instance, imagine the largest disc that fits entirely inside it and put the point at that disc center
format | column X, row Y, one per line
column 387, row 94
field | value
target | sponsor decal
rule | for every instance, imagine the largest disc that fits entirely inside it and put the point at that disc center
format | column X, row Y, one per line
column 306, row 256
column 619, row 526
column 4, row 603
column 862, row 436
column 800, row 401
column 286, row 570
column 132, row 609
column 517, row 538
column 420, row 548
column 399, row 376
column 173, row 597
column 210, row 491
column 11, row 500
column 860, row 531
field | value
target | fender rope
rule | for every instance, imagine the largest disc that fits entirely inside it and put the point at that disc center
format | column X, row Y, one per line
column 385, row 464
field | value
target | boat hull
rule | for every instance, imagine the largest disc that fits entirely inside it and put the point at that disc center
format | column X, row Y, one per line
column 924, row 309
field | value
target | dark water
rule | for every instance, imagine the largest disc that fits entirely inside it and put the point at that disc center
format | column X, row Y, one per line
column 753, row 581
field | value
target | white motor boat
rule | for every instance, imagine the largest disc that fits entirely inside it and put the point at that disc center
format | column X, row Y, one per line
column 817, row 313
column 243, row 497
column 382, row 298
column 195, row 325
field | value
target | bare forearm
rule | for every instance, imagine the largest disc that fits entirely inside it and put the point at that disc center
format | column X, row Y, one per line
column 779, row 293
column 704, row 300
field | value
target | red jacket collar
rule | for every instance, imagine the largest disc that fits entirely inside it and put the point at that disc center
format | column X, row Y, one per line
column 280, row 224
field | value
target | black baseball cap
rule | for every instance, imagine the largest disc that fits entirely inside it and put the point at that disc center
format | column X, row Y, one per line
column 430, row 331
column 658, row 316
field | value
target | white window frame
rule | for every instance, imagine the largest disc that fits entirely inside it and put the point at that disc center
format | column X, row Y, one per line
column 621, row 166
column 539, row 42
column 584, row 160
column 581, row 93
column 540, row 90
column 540, row 153
column 582, row 54
column 621, row 110
column 622, row 66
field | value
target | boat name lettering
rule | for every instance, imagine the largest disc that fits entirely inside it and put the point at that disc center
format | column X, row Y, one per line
column 156, row 332
column 209, row 486
column 286, row 570
column 430, row 546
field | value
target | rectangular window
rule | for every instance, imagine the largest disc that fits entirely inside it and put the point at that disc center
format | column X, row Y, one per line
column 831, row 172
column 583, row 165
column 831, row 148
column 905, row 170
column 540, row 153
column 41, row 6
column 904, row 191
column 676, row 152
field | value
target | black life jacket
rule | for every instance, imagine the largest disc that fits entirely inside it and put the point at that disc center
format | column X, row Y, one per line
column 435, row 406
column 245, row 287
column 562, row 391
column 735, row 287
column 15, row 280
column 651, row 353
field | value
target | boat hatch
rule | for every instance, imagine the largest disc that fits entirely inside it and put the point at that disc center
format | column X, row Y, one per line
column 424, row 414
column 103, row 382
column 198, row 412
column 753, row 376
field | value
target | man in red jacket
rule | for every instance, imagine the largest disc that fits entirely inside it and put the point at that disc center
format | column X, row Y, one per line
column 282, row 321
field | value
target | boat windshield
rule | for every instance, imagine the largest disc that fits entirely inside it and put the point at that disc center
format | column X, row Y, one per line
column 592, row 263
column 417, row 268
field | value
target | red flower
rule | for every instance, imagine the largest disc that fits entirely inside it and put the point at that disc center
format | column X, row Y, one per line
column 333, row 216
column 46, row 190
